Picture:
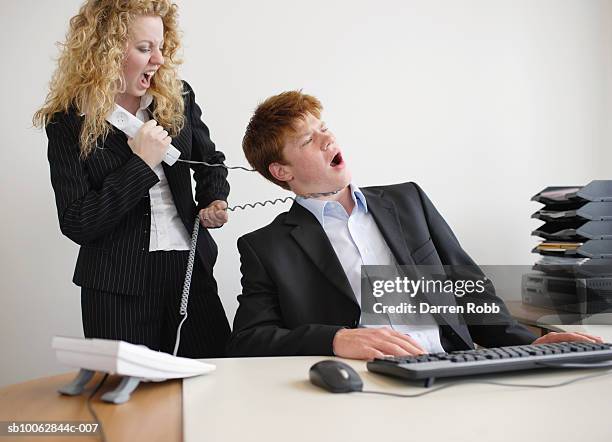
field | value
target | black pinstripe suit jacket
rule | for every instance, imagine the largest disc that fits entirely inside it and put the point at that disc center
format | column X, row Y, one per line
column 103, row 201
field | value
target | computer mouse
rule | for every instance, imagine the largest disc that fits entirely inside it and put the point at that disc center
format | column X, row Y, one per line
column 335, row 376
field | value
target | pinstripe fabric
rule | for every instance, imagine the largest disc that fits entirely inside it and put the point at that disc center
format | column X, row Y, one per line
column 152, row 319
column 103, row 204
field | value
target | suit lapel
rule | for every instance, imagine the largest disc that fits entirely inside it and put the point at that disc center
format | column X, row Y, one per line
column 387, row 220
column 311, row 237
column 386, row 217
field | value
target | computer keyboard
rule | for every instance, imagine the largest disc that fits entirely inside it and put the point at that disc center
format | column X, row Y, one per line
column 491, row 360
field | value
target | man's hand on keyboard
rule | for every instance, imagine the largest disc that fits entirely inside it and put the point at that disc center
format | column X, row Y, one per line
column 567, row 337
column 370, row 343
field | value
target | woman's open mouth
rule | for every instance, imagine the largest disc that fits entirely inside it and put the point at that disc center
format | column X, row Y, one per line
column 145, row 79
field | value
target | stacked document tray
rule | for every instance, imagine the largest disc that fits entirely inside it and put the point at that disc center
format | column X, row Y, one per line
column 575, row 265
column 578, row 221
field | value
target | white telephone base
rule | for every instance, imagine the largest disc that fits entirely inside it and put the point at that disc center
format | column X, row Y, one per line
column 135, row 363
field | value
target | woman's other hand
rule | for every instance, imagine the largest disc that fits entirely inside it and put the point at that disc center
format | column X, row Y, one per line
column 215, row 215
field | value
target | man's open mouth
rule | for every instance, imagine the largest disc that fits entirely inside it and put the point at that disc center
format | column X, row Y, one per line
column 336, row 160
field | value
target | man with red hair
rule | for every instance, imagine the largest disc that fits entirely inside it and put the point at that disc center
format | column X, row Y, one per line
column 301, row 274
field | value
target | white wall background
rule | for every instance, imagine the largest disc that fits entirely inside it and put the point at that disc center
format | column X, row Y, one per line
column 482, row 102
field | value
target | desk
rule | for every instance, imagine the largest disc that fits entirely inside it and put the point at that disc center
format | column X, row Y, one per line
column 270, row 399
column 153, row 413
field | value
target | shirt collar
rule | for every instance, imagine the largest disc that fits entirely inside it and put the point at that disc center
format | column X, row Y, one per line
column 359, row 198
column 317, row 206
column 145, row 101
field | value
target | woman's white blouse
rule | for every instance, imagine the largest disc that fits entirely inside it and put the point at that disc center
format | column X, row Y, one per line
column 167, row 230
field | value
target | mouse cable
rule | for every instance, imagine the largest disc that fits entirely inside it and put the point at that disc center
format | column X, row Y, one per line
column 92, row 411
column 501, row 384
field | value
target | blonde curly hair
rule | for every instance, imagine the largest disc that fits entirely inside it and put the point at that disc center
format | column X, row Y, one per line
column 89, row 70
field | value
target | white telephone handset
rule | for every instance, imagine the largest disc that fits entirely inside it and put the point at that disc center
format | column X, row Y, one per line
column 129, row 124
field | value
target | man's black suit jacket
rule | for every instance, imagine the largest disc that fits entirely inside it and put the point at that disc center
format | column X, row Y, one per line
column 296, row 295
column 103, row 201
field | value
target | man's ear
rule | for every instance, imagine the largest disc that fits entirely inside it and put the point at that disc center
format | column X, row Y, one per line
column 280, row 171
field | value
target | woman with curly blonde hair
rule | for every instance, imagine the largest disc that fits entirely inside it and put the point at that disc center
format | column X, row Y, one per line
column 131, row 214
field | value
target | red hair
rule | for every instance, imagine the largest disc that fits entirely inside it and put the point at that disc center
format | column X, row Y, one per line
column 273, row 121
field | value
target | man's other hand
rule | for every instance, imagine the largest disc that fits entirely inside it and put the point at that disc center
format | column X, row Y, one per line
column 551, row 337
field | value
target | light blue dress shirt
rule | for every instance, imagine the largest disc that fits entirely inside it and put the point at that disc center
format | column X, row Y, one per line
column 357, row 241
